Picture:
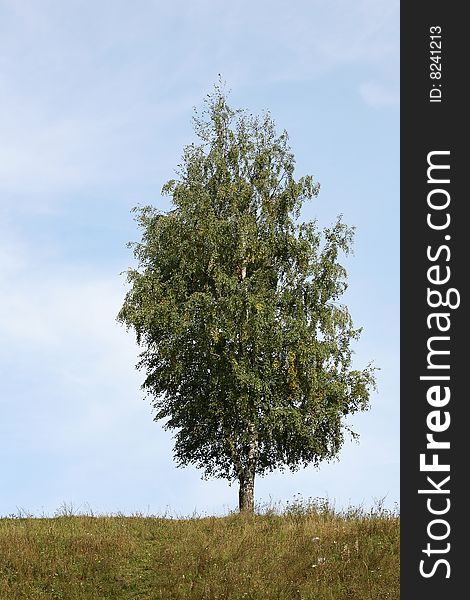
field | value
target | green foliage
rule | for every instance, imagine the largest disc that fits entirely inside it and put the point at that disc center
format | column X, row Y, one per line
column 245, row 346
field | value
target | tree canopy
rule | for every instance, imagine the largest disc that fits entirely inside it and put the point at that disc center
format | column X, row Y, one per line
column 245, row 346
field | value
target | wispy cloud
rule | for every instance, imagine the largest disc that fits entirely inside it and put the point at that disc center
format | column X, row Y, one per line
column 378, row 95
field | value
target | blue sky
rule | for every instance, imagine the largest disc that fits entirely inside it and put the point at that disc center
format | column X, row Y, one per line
column 96, row 100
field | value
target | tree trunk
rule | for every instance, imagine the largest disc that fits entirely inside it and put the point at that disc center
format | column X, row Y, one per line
column 246, row 477
column 246, row 493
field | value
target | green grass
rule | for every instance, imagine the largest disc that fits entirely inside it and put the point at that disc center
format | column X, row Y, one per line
column 308, row 551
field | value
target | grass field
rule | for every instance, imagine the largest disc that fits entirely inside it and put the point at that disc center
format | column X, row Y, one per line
column 307, row 551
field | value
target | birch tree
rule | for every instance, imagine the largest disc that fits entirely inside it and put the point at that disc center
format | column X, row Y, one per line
column 245, row 347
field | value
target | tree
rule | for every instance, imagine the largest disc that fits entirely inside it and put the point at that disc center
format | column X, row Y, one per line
column 234, row 303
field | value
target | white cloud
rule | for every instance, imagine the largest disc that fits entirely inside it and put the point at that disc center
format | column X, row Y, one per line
column 68, row 385
column 62, row 319
column 13, row 255
column 378, row 95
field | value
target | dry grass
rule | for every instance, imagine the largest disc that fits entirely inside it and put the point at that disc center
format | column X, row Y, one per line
column 307, row 552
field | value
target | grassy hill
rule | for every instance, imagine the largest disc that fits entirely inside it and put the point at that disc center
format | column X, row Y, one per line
column 306, row 552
